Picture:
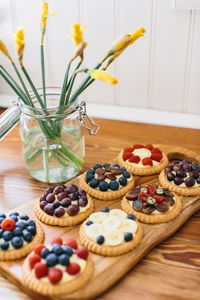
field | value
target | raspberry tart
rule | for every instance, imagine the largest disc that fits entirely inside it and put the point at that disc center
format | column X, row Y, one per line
column 182, row 177
column 18, row 235
column 143, row 160
column 56, row 269
column 111, row 232
column 107, row 182
column 63, row 205
column 152, row 204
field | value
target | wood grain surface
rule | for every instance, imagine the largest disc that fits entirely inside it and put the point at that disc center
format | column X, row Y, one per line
column 169, row 271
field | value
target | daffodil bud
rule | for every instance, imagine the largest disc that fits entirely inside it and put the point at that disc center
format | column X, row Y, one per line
column 4, row 49
column 103, row 76
column 77, row 33
column 44, row 19
column 19, row 43
column 79, row 50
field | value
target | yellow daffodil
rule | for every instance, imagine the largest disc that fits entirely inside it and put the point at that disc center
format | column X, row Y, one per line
column 77, row 33
column 44, row 18
column 19, row 43
column 103, row 76
column 4, row 49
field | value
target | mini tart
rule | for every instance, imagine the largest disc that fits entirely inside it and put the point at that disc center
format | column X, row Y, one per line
column 106, row 182
column 63, row 205
column 42, row 282
column 27, row 246
column 152, row 204
column 110, row 233
column 143, row 160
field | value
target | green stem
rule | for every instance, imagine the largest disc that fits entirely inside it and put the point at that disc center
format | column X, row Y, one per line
column 43, row 75
column 71, row 82
column 33, row 156
column 64, row 86
column 46, row 161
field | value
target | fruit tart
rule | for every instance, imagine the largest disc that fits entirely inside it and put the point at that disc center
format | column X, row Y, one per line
column 56, row 269
column 152, row 204
column 18, row 235
column 110, row 232
column 182, row 177
column 143, row 160
column 107, row 182
column 63, row 205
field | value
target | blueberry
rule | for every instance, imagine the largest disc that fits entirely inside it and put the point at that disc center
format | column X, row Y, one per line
column 1, row 220
column 103, row 186
column 17, row 242
column 88, row 223
column 45, row 252
column 68, row 250
column 57, row 249
column 17, row 231
column 30, row 223
column 89, row 178
column 91, row 171
column 1, row 232
column 100, row 239
column 27, row 236
column 51, row 260
column 106, row 165
column 126, row 174
column 15, row 218
column 94, row 183
column 123, row 169
column 31, row 229
column 128, row 236
column 21, row 224
column 123, row 181
column 2, row 216
column 114, row 185
column 24, row 217
column 116, row 166
column 105, row 209
column 64, row 260
column 97, row 166
column 14, row 213
column 131, row 217
column 7, row 235
column 4, row 245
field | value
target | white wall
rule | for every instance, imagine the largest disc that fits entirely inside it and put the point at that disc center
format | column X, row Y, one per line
column 160, row 71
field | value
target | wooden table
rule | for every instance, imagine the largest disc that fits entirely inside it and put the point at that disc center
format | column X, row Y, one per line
column 169, row 271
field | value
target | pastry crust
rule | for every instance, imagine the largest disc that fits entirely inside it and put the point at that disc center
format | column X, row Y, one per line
column 148, row 170
column 56, row 289
column 110, row 195
column 63, row 221
column 110, row 250
column 182, row 191
column 153, row 219
column 18, row 253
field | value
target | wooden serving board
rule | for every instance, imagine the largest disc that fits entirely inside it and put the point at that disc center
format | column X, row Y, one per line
column 108, row 270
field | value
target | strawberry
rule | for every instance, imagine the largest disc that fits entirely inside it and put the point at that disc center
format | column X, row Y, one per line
column 156, row 156
column 134, row 159
column 151, row 190
column 71, row 243
column 57, row 240
column 38, row 248
column 128, row 150
column 147, row 161
column 127, row 155
column 156, row 150
column 55, row 275
column 41, row 270
column 82, row 253
column 73, row 269
column 8, row 224
column 159, row 199
column 143, row 196
column 33, row 259
column 149, row 147
column 137, row 146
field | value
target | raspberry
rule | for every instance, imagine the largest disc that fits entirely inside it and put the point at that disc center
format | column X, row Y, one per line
column 38, row 248
column 128, row 150
column 127, row 155
column 147, row 161
column 33, row 259
column 82, row 253
column 156, row 156
column 137, row 146
column 159, row 199
column 8, row 225
column 134, row 159
column 57, row 240
column 55, row 275
column 149, row 147
column 156, row 150
column 73, row 269
column 71, row 243
column 143, row 196
column 41, row 270
column 151, row 190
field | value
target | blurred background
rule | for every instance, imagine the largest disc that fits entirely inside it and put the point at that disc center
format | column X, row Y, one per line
column 159, row 75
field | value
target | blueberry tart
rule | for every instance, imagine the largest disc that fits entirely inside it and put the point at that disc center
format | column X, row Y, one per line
column 107, row 182
column 56, row 269
column 152, row 204
column 63, row 205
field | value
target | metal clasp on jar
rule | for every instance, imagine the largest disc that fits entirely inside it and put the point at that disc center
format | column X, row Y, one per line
column 82, row 115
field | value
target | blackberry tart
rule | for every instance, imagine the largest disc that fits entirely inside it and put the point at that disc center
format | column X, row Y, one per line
column 143, row 160
column 182, row 177
column 18, row 235
column 107, row 181
column 56, row 269
column 152, row 204
column 63, row 205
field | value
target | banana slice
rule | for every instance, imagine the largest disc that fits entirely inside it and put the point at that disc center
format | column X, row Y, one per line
column 118, row 213
column 94, row 230
column 128, row 225
column 111, row 223
column 114, row 238
column 98, row 217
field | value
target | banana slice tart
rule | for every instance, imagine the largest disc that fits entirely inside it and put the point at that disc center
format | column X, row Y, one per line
column 143, row 160
column 63, row 205
column 59, row 268
column 152, row 204
column 18, row 235
column 107, row 181
column 110, row 232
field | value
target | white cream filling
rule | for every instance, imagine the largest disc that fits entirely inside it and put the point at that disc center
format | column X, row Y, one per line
column 142, row 153
column 183, row 184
